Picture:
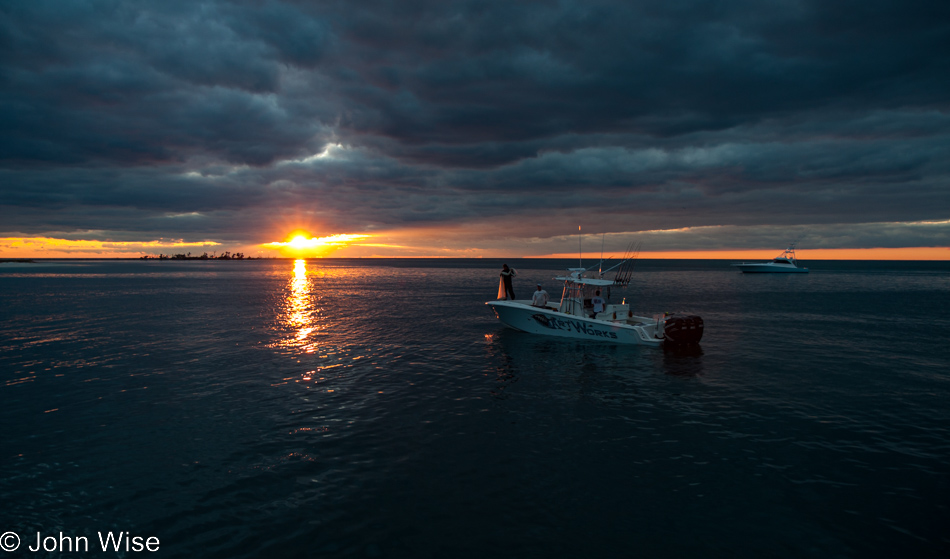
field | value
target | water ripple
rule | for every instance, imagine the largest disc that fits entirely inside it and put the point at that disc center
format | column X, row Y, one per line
column 329, row 409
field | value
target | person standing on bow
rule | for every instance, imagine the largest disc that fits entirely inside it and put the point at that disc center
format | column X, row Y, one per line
column 504, row 289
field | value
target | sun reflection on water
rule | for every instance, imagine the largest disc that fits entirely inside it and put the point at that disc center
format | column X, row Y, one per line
column 299, row 312
column 311, row 323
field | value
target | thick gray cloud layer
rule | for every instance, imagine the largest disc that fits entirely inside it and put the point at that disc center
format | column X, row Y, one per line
column 227, row 120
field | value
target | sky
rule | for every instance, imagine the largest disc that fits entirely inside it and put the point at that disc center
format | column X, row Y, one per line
column 474, row 128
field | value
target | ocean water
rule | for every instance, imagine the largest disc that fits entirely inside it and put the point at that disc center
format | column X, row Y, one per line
column 364, row 408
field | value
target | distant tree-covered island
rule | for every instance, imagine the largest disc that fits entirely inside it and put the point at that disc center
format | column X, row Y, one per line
column 226, row 255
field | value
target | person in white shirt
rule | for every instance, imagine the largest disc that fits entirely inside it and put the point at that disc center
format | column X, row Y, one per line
column 598, row 302
column 540, row 297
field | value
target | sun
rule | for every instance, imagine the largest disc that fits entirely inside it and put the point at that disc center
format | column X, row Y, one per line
column 299, row 242
column 302, row 245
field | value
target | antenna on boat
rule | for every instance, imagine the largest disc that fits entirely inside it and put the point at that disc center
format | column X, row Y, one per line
column 600, row 270
column 579, row 252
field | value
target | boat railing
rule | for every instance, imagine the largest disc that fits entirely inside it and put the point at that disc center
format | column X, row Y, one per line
column 572, row 306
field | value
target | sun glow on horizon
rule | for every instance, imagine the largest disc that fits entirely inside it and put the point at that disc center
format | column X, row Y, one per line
column 51, row 247
column 301, row 244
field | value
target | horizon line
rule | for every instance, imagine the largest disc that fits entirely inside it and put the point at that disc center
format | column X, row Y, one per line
column 910, row 254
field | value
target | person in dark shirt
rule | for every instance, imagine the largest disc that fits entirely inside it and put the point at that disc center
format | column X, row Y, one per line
column 506, row 275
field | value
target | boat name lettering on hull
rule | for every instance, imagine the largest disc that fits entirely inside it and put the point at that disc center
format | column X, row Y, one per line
column 555, row 323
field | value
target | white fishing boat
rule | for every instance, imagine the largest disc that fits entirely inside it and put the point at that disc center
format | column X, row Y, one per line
column 784, row 263
column 574, row 317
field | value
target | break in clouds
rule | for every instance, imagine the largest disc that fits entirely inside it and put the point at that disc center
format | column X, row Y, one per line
column 747, row 124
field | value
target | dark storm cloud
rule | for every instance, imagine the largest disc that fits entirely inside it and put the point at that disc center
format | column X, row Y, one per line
column 480, row 72
column 138, row 83
column 188, row 118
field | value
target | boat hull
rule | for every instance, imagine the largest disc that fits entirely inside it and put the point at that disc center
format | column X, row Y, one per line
column 770, row 269
column 548, row 322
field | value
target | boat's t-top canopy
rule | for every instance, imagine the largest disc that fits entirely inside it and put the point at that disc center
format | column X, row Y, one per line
column 621, row 274
column 787, row 257
column 586, row 281
column 576, row 283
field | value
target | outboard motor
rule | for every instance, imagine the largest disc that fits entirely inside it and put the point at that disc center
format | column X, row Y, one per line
column 683, row 330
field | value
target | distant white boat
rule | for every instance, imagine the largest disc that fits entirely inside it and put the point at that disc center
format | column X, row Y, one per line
column 784, row 263
column 574, row 317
